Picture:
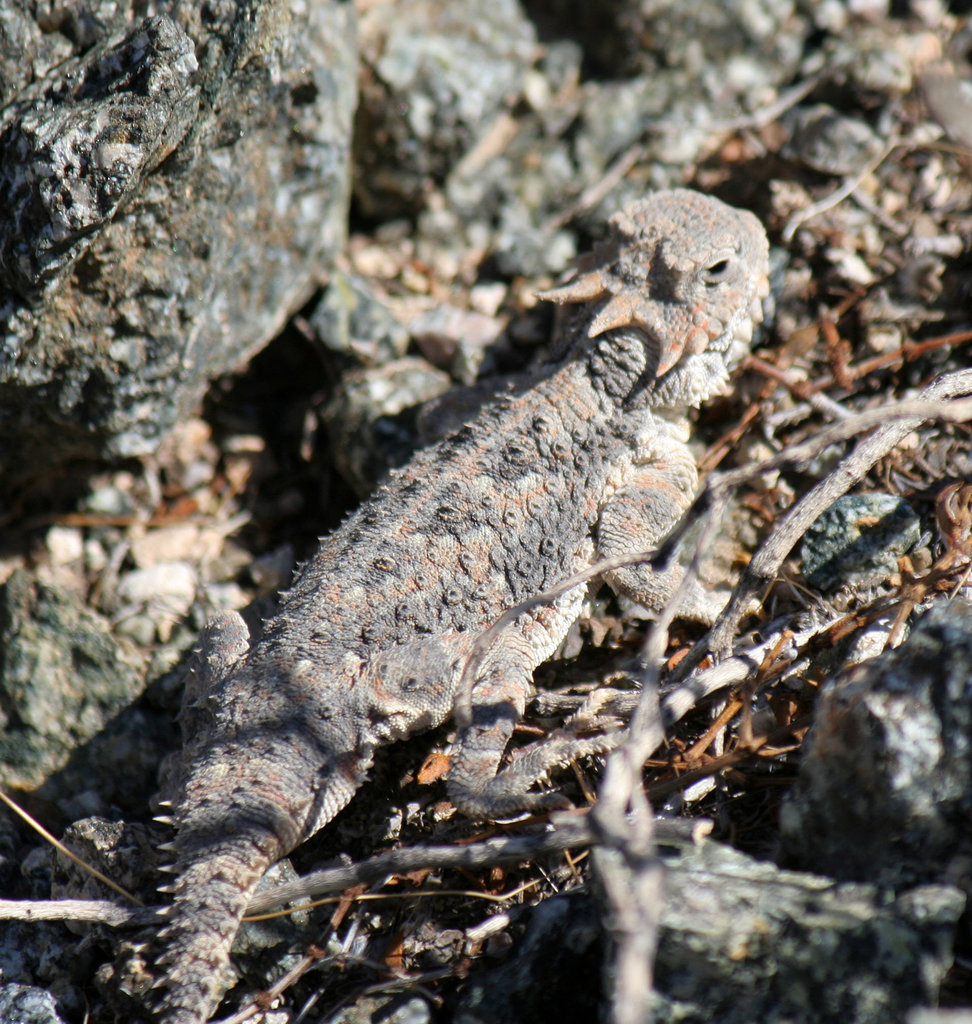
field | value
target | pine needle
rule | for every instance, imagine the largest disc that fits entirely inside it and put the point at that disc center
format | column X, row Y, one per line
column 61, row 848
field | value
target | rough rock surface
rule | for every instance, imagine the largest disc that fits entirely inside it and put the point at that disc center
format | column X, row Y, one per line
column 21, row 1004
column 63, row 676
column 171, row 186
column 434, row 75
column 743, row 941
column 858, row 540
column 884, row 793
column 740, row 941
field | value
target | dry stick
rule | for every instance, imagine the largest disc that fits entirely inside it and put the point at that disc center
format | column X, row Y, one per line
column 592, row 195
column 762, row 570
column 905, row 353
column 733, row 671
column 572, row 830
column 715, row 493
column 800, row 387
column 61, row 848
column 718, row 486
column 626, row 859
column 99, row 911
column 842, row 192
column 758, row 119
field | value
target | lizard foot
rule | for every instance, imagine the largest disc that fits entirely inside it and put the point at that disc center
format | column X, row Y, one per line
column 507, row 793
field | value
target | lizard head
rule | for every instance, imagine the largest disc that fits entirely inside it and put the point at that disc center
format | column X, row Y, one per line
column 682, row 274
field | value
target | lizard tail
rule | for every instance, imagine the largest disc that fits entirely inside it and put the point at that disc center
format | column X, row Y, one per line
column 223, row 850
column 210, row 899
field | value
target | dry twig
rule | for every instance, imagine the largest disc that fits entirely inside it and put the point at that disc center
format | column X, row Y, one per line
column 572, row 830
column 938, row 401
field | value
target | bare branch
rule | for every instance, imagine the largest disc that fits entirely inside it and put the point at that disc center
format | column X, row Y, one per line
column 572, row 830
column 938, row 401
column 100, row 911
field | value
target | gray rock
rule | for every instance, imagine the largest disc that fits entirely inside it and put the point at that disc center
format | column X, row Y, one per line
column 829, row 142
column 625, row 38
column 23, row 1004
column 63, row 676
column 696, row 66
column 389, row 1009
column 372, row 418
column 858, row 541
column 740, row 941
column 743, row 941
column 170, row 190
column 355, row 326
column 74, row 150
column 434, row 75
column 254, row 937
column 885, row 787
column 36, row 953
column 938, row 1015
column 124, row 852
column 460, row 340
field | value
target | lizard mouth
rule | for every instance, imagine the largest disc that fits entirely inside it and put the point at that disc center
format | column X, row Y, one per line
column 734, row 343
column 663, row 348
column 694, row 368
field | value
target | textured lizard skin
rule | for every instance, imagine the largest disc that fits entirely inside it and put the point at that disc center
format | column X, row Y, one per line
column 369, row 644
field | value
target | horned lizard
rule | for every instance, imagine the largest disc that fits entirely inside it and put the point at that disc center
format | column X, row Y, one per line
column 370, row 641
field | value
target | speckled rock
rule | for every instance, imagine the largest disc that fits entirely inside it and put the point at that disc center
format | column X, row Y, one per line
column 697, row 64
column 743, row 941
column 739, row 941
column 63, row 676
column 372, row 418
column 885, row 787
column 23, row 1004
column 434, row 75
column 171, row 187
column 355, row 326
column 858, row 541
column 125, row 853
column 625, row 38
column 829, row 142
column 388, row 1008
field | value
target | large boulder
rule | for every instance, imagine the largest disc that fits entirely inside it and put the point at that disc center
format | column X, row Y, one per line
column 171, row 188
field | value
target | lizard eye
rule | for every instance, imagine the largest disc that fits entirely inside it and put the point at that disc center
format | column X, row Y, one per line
column 716, row 272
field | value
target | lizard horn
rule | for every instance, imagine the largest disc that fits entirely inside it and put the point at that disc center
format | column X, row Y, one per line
column 584, row 288
column 617, row 312
column 664, row 351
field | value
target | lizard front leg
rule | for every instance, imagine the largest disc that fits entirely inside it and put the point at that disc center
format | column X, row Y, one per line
column 222, row 644
column 659, row 489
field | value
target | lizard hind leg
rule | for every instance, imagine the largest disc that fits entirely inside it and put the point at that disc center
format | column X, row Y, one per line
column 239, row 807
column 507, row 792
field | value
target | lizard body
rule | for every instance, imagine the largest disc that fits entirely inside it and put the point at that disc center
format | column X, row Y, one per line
column 370, row 642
